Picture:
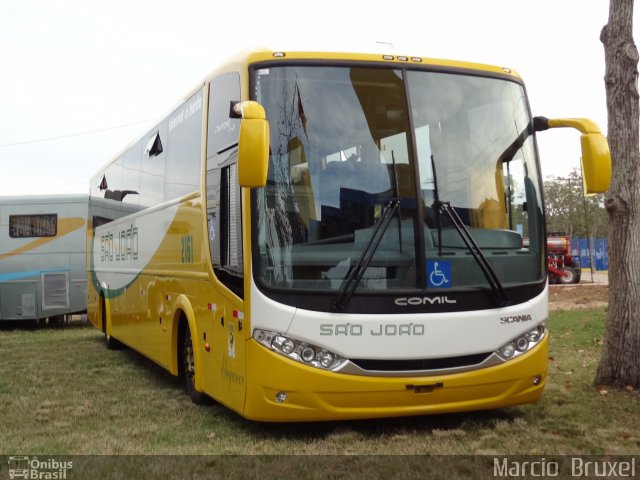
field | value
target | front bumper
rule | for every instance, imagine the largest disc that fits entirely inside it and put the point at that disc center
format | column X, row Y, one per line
column 313, row 394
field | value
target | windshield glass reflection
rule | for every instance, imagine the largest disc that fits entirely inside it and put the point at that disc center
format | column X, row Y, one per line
column 341, row 152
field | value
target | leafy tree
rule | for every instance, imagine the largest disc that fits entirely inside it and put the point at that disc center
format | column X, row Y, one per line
column 620, row 361
column 569, row 211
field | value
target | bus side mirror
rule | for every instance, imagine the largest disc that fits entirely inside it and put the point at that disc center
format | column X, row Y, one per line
column 596, row 163
column 253, row 145
column 596, row 158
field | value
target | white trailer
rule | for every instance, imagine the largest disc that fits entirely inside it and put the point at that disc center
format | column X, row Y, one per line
column 42, row 257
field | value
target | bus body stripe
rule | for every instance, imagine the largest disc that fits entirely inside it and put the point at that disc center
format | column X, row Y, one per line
column 65, row 226
column 7, row 277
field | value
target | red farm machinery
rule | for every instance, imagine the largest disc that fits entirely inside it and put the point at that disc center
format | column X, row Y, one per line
column 561, row 265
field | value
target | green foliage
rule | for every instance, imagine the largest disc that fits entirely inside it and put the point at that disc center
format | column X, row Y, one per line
column 568, row 210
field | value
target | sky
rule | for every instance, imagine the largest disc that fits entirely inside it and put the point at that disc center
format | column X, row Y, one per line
column 81, row 79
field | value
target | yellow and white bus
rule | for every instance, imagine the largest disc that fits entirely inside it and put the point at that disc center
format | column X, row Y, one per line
column 315, row 236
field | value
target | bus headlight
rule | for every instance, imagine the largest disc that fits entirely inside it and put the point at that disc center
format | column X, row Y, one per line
column 287, row 345
column 308, row 354
column 507, row 351
column 523, row 343
column 298, row 350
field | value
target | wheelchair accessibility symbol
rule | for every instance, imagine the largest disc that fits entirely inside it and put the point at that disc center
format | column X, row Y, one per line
column 439, row 273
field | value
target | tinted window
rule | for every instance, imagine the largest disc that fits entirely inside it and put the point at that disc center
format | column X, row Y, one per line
column 223, row 131
column 24, row 226
column 183, row 148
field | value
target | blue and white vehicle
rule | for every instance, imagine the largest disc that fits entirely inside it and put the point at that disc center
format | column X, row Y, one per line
column 42, row 257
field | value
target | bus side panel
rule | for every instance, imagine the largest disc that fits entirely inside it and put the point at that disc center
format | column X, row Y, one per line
column 135, row 320
column 18, row 300
column 41, row 275
column 143, row 263
column 223, row 369
column 78, row 277
column 94, row 312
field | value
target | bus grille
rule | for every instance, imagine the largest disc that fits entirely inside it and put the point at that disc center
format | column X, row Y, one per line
column 55, row 290
column 421, row 364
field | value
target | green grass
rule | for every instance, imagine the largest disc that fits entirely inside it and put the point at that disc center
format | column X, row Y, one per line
column 63, row 393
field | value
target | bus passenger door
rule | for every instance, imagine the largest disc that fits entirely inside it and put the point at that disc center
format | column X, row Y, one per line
column 225, row 240
column 226, row 361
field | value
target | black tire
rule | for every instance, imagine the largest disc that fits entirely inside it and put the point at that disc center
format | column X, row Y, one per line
column 578, row 269
column 56, row 321
column 568, row 276
column 110, row 342
column 188, row 368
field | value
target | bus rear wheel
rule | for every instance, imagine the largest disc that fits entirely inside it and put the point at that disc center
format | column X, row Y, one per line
column 110, row 342
column 188, row 368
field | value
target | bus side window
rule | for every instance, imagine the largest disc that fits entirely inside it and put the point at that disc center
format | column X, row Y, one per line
column 223, row 190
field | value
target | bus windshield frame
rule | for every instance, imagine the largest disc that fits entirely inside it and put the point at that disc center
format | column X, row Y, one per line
column 350, row 140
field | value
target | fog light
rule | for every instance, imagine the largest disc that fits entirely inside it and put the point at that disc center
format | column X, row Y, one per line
column 522, row 343
column 308, row 354
column 281, row 397
column 537, row 380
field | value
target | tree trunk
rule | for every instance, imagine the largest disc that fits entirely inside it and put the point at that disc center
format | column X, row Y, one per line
column 620, row 362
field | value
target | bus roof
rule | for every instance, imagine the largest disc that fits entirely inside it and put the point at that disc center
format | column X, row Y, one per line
column 243, row 59
column 48, row 199
column 261, row 54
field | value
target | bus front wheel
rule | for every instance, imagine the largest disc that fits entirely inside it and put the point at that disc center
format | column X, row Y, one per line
column 188, row 368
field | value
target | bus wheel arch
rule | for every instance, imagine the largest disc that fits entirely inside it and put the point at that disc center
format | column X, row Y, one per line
column 187, row 358
column 105, row 320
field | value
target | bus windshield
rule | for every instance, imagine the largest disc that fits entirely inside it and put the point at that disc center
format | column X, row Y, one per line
column 352, row 147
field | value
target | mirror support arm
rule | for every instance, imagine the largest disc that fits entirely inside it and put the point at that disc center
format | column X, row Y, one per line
column 596, row 158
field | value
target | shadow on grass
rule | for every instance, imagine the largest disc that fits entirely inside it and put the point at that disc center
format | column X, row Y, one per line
column 373, row 428
column 152, row 371
column 35, row 325
column 310, row 431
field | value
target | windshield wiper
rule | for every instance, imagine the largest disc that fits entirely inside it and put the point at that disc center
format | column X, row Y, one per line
column 500, row 296
column 350, row 283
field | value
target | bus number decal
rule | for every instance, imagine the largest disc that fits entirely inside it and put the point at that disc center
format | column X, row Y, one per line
column 187, row 249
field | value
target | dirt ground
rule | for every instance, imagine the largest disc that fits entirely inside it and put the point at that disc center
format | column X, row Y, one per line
column 582, row 295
